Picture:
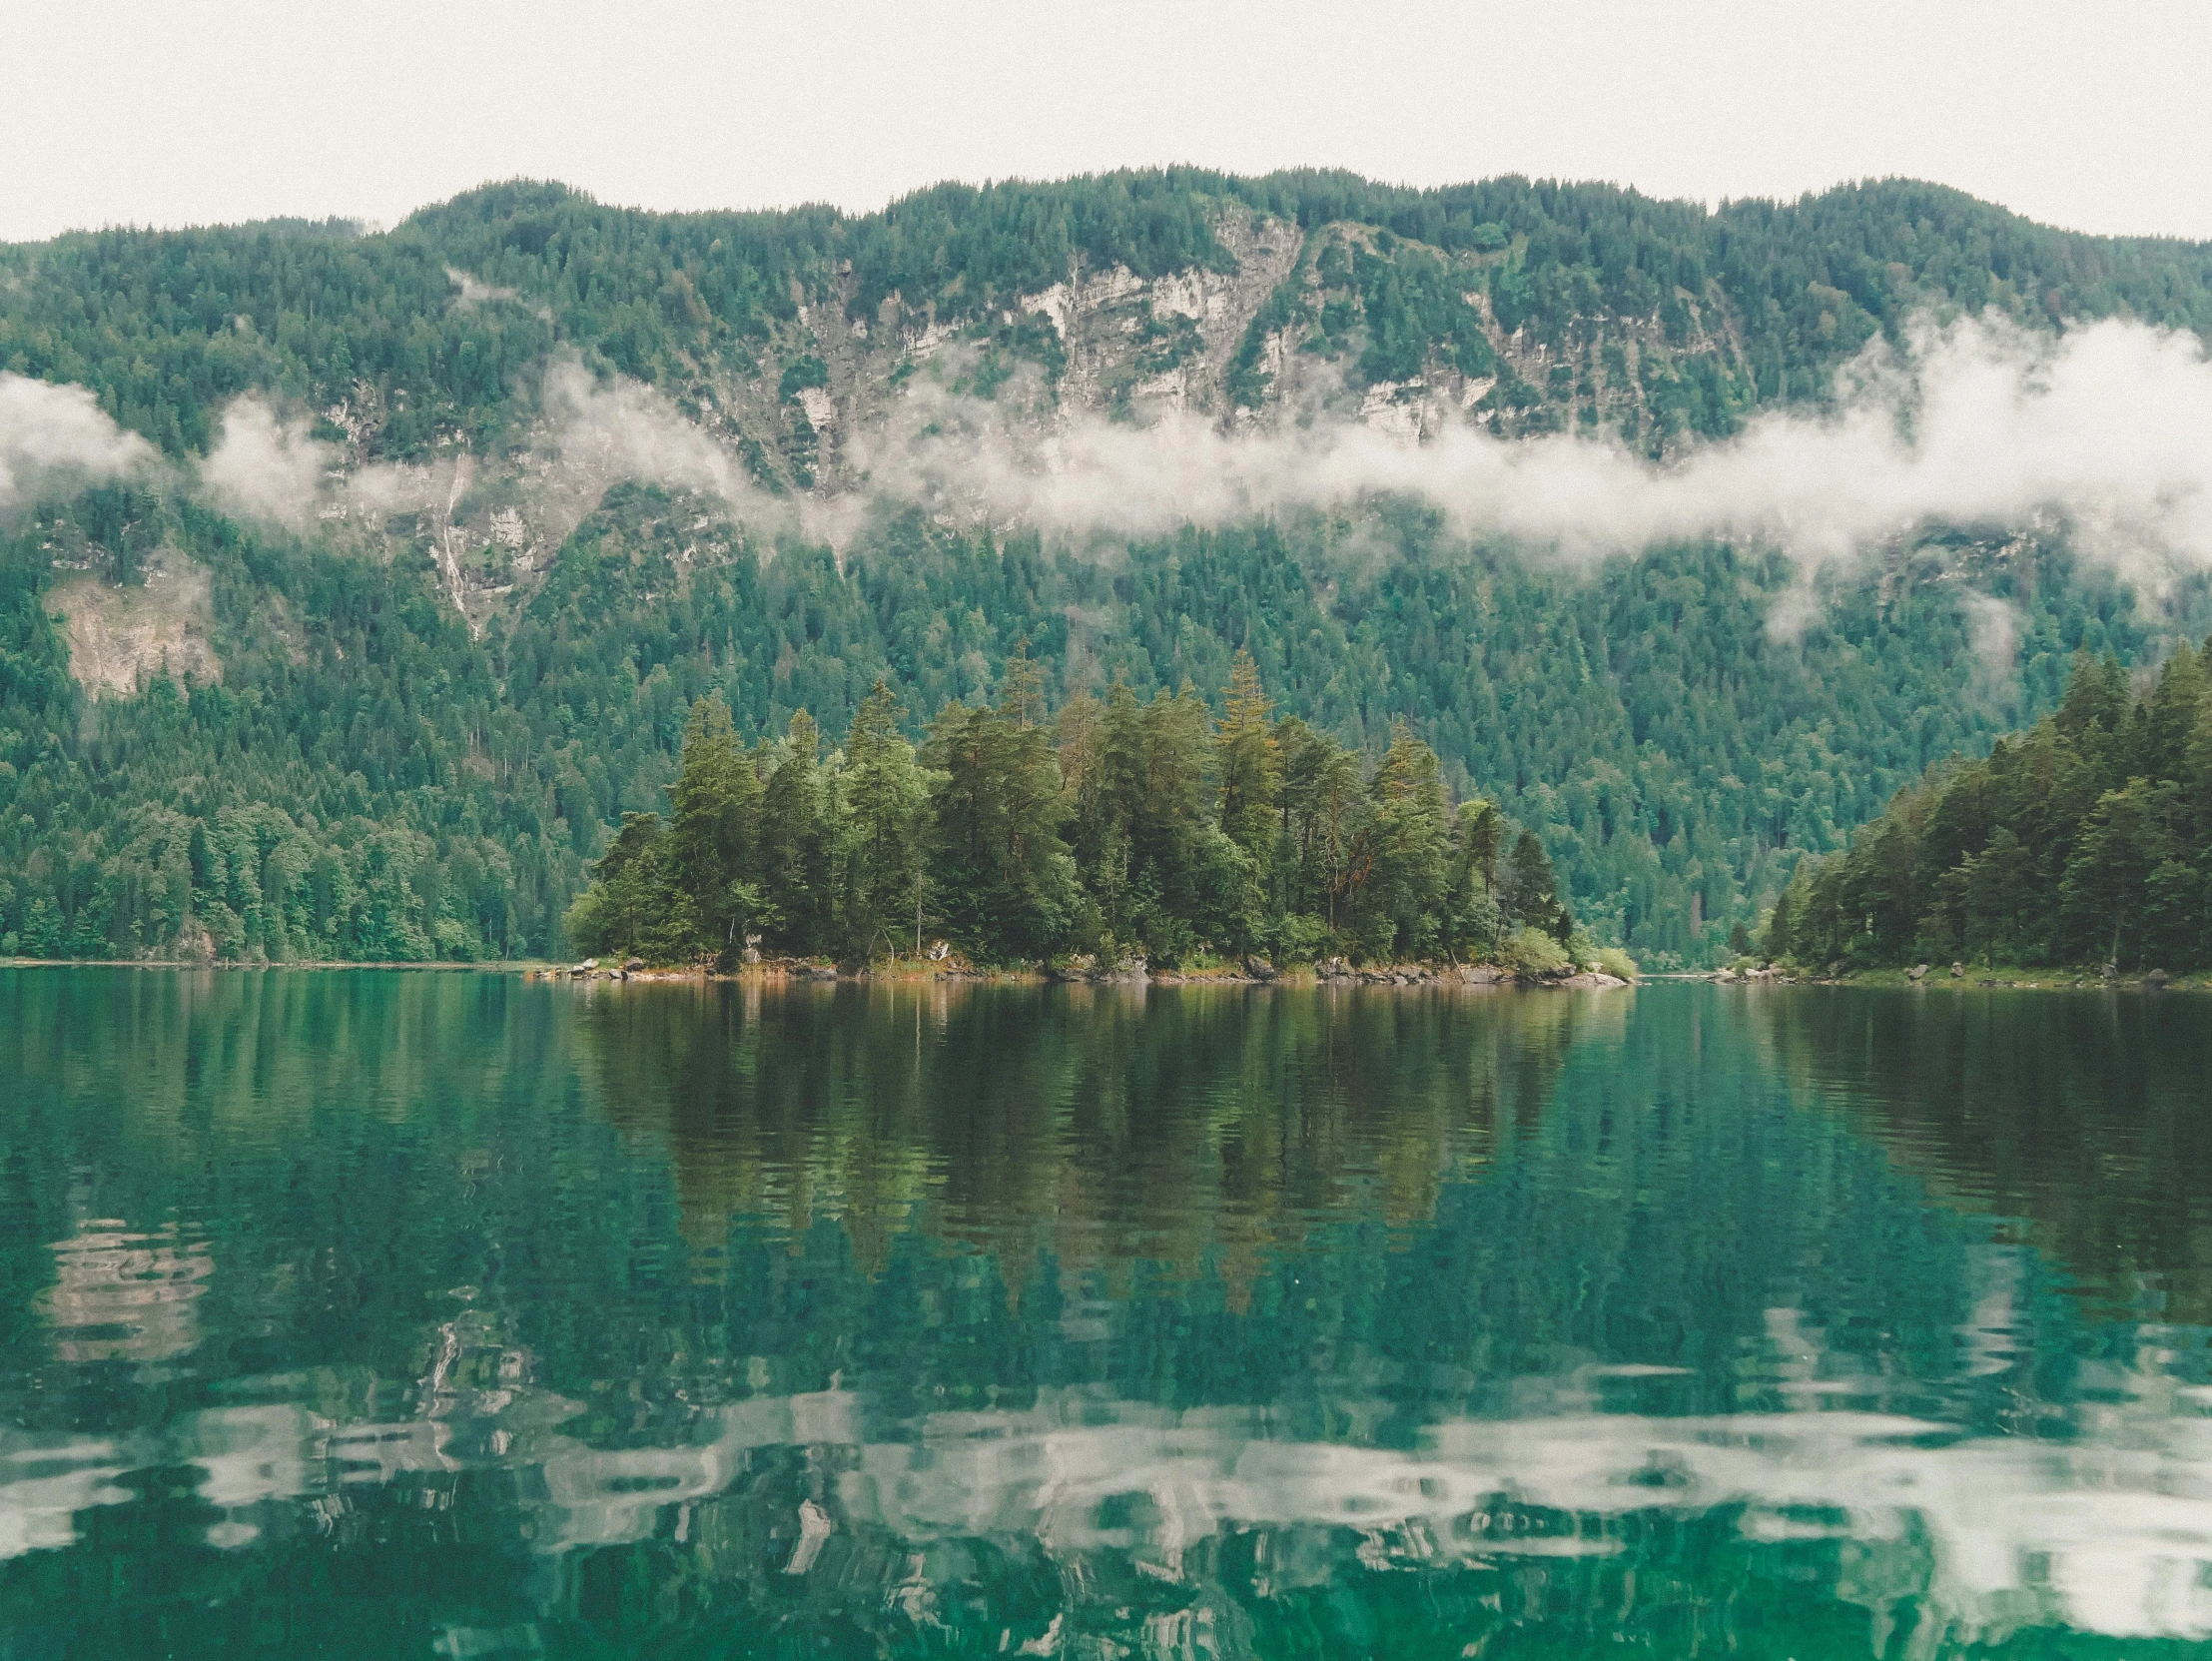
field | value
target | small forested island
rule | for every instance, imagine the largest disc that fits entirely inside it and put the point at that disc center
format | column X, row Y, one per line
column 1121, row 830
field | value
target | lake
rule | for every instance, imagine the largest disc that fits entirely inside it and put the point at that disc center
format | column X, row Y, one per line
column 393, row 1315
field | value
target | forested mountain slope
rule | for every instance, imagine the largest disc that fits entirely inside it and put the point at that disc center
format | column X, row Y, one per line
column 2085, row 840
column 438, row 532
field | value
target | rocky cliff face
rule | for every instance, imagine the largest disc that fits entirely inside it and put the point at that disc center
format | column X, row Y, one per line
column 1347, row 323
column 1291, row 334
column 463, row 391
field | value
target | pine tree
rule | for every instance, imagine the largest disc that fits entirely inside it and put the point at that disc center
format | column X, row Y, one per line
column 1250, row 762
column 2103, row 895
column 2171, row 716
column 713, row 835
column 1002, row 879
column 1338, row 840
column 884, row 798
column 1412, row 844
column 1471, row 914
column 796, row 839
column 1530, row 891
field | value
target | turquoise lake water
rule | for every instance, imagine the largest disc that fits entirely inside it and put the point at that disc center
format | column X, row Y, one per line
column 454, row 1315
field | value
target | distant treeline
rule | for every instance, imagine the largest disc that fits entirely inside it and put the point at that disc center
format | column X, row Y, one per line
column 2087, row 839
column 1128, row 825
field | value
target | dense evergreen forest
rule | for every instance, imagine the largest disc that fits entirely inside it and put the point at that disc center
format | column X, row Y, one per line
column 369, row 782
column 1133, row 826
column 327, row 757
column 2085, row 840
column 164, row 327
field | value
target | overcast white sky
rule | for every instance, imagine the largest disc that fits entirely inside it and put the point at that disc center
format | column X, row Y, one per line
column 2097, row 117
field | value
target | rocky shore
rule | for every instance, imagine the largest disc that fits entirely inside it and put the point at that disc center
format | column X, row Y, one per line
column 1086, row 971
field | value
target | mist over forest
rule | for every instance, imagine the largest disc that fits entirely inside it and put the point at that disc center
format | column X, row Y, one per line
column 356, row 589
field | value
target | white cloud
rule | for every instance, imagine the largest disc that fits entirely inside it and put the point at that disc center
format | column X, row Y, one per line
column 2104, row 433
column 1994, row 630
column 595, row 434
column 266, row 467
column 621, row 428
column 2108, row 428
column 56, row 437
column 475, row 291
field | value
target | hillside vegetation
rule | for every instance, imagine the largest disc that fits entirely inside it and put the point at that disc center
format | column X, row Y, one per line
column 409, row 732
column 2085, row 840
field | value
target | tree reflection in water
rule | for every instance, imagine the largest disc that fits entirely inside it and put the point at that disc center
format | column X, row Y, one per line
column 387, row 1314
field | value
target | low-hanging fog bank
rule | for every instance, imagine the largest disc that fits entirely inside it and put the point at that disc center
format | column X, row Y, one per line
column 2103, row 432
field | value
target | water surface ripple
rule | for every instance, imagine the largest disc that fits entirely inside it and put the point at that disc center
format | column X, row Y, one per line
column 451, row 1314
